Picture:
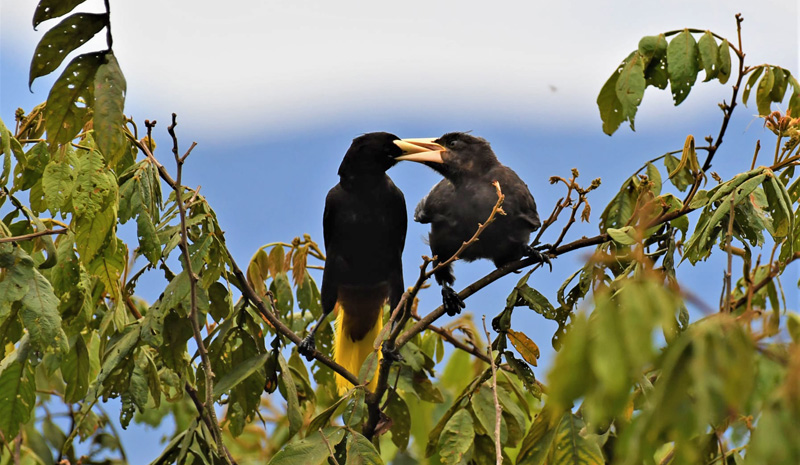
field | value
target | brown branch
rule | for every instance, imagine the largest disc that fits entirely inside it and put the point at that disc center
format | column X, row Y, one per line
column 26, row 237
column 193, row 279
column 727, row 109
column 246, row 289
column 498, row 412
column 403, row 311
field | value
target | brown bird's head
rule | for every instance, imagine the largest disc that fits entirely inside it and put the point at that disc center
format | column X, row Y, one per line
column 454, row 155
column 368, row 157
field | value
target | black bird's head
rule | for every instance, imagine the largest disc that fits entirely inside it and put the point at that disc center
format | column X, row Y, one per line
column 454, row 155
column 368, row 158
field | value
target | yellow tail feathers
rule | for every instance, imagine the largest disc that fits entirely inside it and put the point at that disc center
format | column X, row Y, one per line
column 351, row 354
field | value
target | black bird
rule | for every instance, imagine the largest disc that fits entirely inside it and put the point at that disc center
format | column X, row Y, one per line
column 464, row 198
column 364, row 226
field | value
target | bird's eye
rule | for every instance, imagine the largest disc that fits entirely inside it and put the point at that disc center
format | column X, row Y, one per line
column 453, row 144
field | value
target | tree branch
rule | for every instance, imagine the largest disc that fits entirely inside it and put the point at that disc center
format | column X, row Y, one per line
column 193, row 316
column 26, row 237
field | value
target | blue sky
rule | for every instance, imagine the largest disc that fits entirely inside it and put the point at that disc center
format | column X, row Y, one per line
column 273, row 93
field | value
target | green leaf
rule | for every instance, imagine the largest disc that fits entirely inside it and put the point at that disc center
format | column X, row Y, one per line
column 57, row 182
column 289, row 391
column 239, row 373
column 569, row 446
column 75, row 370
column 630, row 86
column 108, row 267
column 483, row 405
column 779, row 207
column 723, row 62
column 323, row 419
column 456, row 438
column 624, row 236
column 361, row 452
column 312, row 450
column 62, row 39
column 756, row 72
column 368, row 369
column 6, row 137
column 780, row 85
column 397, row 410
column 652, row 48
column 709, row 55
column 114, row 357
column 682, row 65
column 356, row 409
column 63, row 117
column 765, row 90
column 48, row 9
column 611, row 111
column 109, row 102
column 17, row 392
column 39, row 311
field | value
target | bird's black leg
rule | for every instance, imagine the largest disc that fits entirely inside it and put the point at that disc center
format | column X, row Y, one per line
column 451, row 301
column 308, row 345
column 536, row 252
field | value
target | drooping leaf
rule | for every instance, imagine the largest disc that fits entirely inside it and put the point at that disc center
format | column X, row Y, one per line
column 48, row 9
column 312, row 450
column 456, row 438
column 525, row 346
column 723, row 62
column 75, row 369
column 397, row 410
column 360, row 451
column 69, row 97
column 286, row 381
column 764, row 90
column 709, row 55
column 682, row 65
column 755, row 73
column 109, row 102
column 62, row 39
column 611, row 110
column 57, row 183
column 239, row 373
column 630, row 86
column 17, row 392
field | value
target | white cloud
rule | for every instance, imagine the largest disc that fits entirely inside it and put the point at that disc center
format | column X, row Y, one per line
column 294, row 63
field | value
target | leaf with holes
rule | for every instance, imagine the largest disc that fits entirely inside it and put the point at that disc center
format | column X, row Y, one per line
column 682, row 65
column 109, row 102
column 63, row 115
column 709, row 58
column 49, row 9
column 456, row 438
column 62, row 39
column 525, row 346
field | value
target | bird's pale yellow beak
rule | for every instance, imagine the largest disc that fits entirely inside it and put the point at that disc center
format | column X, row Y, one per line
column 420, row 150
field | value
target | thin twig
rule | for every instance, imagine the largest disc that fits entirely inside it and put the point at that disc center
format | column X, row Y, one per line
column 193, row 279
column 727, row 109
column 403, row 311
column 26, row 237
column 498, row 412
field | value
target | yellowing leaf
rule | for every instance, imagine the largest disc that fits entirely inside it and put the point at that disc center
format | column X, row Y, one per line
column 525, row 346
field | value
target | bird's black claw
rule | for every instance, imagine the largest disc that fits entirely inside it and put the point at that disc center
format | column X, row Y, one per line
column 451, row 301
column 307, row 347
column 538, row 254
column 391, row 353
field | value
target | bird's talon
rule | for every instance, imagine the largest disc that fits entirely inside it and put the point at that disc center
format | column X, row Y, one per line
column 451, row 301
column 538, row 253
column 391, row 354
column 307, row 347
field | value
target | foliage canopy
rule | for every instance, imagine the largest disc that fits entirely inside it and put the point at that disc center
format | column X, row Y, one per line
column 634, row 380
